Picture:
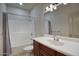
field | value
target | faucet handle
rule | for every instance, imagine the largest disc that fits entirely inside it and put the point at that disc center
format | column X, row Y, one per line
column 56, row 38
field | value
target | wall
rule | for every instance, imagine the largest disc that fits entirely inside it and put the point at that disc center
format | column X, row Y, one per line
column 38, row 15
column 60, row 18
column 17, row 11
column 2, row 9
column 21, row 26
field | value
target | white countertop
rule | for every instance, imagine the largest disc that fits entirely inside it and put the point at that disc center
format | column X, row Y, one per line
column 70, row 48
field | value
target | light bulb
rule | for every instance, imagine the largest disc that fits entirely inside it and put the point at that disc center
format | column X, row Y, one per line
column 20, row 3
column 51, row 9
column 55, row 8
column 51, row 6
column 47, row 8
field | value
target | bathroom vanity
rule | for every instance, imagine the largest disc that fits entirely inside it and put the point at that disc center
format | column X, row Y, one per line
column 46, row 46
column 42, row 50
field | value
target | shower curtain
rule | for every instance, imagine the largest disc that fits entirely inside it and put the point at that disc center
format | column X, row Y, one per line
column 6, row 36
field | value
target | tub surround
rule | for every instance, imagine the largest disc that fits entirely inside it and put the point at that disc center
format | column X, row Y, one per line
column 70, row 46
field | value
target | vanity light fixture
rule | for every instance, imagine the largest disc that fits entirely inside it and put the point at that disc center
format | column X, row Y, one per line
column 53, row 7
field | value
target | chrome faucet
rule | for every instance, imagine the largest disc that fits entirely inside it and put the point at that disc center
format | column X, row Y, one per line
column 55, row 35
column 56, row 38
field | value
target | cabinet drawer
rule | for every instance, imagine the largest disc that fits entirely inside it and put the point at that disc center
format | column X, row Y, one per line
column 47, row 50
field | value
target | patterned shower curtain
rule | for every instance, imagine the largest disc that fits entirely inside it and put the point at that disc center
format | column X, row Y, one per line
column 6, row 36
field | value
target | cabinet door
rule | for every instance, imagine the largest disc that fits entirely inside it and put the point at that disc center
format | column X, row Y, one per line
column 46, row 51
column 36, row 48
column 43, row 53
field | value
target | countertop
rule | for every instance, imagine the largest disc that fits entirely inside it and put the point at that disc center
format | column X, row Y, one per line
column 69, row 48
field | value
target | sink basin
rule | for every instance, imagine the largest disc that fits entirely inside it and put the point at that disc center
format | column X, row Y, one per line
column 58, row 43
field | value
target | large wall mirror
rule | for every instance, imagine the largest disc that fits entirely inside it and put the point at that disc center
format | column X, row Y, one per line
column 64, row 20
column 74, row 25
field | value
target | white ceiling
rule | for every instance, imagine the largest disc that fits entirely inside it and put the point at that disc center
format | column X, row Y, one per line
column 26, row 6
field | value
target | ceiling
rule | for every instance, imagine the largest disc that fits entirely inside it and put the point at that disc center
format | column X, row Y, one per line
column 26, row 6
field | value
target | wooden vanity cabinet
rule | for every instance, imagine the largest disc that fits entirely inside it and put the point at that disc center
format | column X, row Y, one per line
column 41, row 50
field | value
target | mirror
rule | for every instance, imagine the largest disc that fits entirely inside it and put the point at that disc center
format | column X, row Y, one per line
column 74, row 25
column 64, row 20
